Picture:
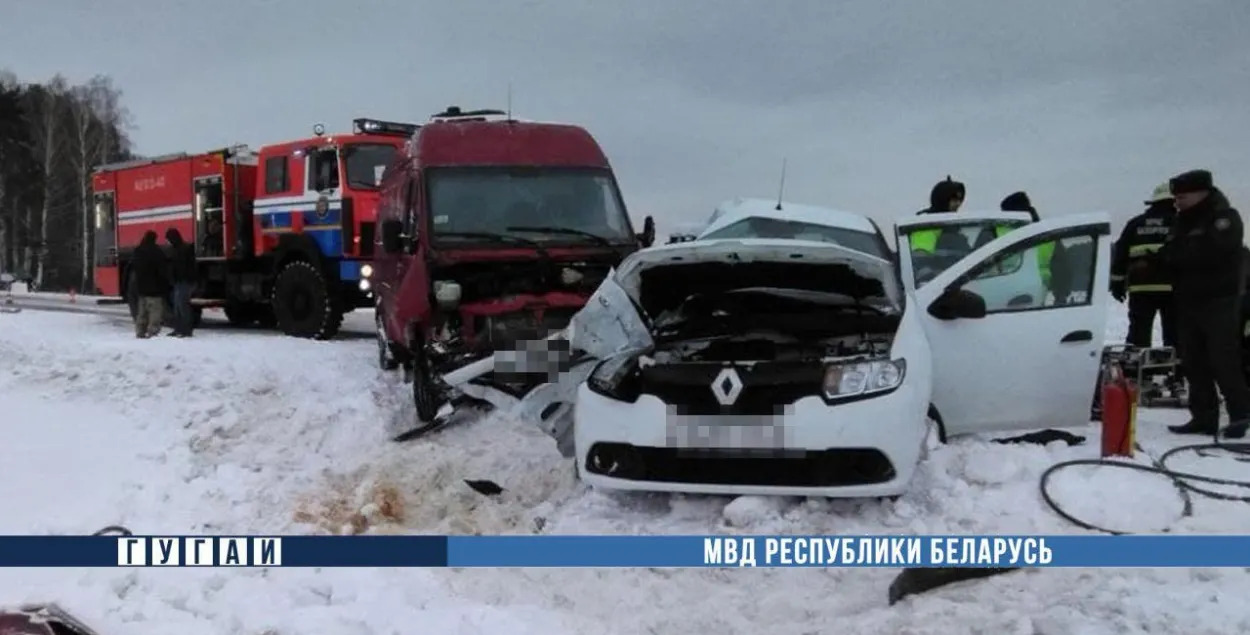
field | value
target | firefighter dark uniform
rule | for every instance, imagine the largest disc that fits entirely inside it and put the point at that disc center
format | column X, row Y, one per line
column 1146, row 284
column 1203, row 255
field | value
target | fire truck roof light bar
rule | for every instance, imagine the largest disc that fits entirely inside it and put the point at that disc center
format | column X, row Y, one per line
column 374, row 126
column 454, row 113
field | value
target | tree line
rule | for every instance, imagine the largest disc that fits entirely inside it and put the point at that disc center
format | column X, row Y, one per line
column 52, row 135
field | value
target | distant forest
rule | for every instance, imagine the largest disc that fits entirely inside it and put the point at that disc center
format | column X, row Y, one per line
column 52, row 134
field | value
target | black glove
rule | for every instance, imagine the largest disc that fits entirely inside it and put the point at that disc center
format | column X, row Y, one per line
column 1118, row 290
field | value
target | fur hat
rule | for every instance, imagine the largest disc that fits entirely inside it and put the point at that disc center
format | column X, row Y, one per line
column 1191, row 181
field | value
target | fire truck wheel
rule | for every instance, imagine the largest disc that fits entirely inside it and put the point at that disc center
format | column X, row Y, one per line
column 303, row 304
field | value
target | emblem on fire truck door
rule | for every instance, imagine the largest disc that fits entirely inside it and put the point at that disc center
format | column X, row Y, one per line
column 322, row 210
column 727, row 386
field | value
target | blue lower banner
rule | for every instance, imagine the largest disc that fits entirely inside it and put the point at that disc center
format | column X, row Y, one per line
column 625, row 551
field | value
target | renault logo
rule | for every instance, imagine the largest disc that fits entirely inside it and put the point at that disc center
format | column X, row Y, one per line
column 727, row 386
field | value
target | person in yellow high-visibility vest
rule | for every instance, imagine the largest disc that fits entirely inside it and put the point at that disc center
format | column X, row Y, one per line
column 946, row 197
column 1019, row 202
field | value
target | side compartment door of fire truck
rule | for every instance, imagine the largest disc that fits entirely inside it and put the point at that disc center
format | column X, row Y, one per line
column 210, row 235
column 105, row 212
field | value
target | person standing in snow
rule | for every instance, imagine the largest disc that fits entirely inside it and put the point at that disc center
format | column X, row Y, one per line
column 1203, row 255
column 1149, row 288
column 148, row 276
column 182, row 272
column 1050, row 255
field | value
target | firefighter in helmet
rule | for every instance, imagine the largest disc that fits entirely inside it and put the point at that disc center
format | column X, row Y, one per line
column 1146, row 285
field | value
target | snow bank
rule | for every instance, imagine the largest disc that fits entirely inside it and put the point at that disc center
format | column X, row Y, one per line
column 237, row 432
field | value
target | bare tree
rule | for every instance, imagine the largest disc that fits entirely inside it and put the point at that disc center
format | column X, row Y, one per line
column 97, row 119
column 8, row 93
column 47, row 127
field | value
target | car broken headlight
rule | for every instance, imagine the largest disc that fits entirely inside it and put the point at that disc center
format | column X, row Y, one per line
column 617, row 377
column 863, row 378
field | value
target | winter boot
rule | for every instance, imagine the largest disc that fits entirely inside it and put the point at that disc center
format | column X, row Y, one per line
column 1237, row 428
column 1195, row 426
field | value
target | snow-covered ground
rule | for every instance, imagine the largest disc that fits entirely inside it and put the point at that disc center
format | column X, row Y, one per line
column 246, row 432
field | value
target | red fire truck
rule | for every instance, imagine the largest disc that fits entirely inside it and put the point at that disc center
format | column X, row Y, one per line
column 281, row 235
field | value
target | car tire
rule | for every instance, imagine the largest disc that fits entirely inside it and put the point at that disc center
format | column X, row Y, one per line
column 303, row 303
column 426, row 396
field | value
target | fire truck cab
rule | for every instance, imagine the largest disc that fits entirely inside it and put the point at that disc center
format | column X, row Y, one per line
column 280, row 235
column 315, row 216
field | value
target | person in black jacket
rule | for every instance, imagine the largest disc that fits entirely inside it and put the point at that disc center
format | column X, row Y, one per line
column 148, row 276
column 946, row 196
column 1203, row 255
column 1149, row 288
column 182, row 274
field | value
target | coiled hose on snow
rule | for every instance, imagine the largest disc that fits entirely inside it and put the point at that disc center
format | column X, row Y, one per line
column 914, row 581
column 1185, row 482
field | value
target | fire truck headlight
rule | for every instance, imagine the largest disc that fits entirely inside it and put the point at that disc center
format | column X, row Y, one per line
column 364, row 285
column 366, row 270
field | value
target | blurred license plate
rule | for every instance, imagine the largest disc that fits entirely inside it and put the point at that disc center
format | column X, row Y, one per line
column 705, row 433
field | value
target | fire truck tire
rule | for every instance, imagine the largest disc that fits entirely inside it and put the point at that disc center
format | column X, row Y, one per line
column 304, row 304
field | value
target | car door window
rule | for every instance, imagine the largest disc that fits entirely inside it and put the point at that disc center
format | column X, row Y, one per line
column 1037, row 274
column 935, row 248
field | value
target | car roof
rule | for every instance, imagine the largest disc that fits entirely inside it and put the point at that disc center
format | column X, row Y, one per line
column 738, row 209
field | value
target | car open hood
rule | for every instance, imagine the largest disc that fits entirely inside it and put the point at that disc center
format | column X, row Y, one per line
column 743, row 250
column 659, row 279
column 618, row 316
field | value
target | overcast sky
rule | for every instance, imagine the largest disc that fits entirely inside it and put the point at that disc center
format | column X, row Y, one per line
column 1086, row 104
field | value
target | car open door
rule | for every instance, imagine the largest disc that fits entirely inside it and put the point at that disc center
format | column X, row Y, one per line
column 1026, row 352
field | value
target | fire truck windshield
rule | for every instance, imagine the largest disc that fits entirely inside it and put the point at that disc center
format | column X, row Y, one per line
column 363, row 164
column 576, row 204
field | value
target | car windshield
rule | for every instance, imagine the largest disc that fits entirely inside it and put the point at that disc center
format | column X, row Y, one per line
column 364, row 163
column 763, row 227
column 541, row 204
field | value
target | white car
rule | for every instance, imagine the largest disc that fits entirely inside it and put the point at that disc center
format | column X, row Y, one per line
column 805, row 368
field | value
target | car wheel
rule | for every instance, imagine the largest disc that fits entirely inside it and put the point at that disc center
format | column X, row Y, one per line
column 426, row 396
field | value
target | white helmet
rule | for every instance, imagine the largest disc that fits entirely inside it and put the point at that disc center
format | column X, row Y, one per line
column 1160, row 194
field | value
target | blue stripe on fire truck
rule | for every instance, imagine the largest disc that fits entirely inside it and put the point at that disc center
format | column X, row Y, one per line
column 325, row 229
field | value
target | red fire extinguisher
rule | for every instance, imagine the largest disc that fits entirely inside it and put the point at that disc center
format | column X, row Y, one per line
column 1119, row 413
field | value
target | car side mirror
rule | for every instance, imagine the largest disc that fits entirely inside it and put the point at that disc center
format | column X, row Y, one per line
column 647, row 237
column 392, row 236
column 954, row 304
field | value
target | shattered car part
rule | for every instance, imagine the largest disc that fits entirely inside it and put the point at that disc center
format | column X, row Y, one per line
column 915, row 581
column 41, row 619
